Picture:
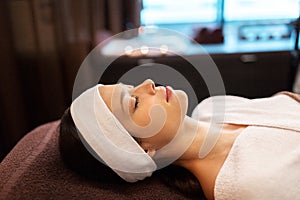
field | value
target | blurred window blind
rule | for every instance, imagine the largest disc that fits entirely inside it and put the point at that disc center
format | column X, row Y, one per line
column 156, row 12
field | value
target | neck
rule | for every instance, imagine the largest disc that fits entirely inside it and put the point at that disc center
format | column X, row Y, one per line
column 206, row 169
column 199, row 134
column 185, row 145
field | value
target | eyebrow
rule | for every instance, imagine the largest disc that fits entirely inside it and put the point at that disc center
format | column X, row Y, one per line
column 125, row 89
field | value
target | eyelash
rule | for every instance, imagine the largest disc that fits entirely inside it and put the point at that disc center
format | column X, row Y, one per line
column 137, row 101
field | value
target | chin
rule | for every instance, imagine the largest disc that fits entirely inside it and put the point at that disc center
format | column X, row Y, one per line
column 183, row 101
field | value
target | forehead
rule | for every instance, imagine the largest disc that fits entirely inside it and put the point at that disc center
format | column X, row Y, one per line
column 106, row 92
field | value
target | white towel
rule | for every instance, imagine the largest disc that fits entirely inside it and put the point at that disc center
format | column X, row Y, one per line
column 264, row 162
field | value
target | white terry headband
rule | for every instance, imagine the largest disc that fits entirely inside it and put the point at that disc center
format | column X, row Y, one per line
column 109, row 142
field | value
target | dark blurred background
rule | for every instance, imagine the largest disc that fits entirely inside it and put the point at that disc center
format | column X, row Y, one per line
column 43, row 43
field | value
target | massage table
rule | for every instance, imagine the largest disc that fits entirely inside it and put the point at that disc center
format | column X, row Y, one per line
column 34, row 169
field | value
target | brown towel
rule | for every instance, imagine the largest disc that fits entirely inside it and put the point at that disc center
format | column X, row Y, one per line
column 34, row 170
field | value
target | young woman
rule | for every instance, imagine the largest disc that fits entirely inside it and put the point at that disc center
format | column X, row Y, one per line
column 235, row 148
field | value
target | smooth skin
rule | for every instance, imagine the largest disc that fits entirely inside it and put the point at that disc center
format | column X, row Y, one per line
column 205, row 170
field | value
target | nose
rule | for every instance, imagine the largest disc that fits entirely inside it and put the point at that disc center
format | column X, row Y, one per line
column 149, row 86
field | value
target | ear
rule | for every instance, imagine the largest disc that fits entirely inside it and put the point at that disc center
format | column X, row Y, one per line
column 151, row 152
column 148, row 148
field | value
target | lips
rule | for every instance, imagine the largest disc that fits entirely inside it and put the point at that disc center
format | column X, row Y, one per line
column 168, row 93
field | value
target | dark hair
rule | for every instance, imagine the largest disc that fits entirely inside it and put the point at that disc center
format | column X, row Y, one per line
column 77, row 158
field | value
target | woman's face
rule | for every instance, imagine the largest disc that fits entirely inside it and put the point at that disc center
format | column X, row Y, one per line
column 141, row 100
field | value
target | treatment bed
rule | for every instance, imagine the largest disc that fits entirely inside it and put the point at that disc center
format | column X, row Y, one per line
column 34, row 170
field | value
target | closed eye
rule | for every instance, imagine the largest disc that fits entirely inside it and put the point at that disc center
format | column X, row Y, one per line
column 137, row 101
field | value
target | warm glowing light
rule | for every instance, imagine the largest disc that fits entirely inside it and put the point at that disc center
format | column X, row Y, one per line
column 144, row 49
column 128, row 50
column 163, row 49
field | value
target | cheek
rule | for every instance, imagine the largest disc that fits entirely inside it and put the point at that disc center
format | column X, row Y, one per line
column 174, row 113
column 169, row 130
column 141, row 117
column 173, row 121
column 172, row 124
